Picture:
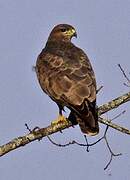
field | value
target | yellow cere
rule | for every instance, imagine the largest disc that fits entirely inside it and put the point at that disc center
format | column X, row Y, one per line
column 70, row 32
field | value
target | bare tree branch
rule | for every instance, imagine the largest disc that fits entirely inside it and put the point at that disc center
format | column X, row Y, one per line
column 114, row 103
column 39, row 133
column 124, row 74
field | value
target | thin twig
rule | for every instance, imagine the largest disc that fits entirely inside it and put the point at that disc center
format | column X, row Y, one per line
column 67, row 144
column 118, row 115
column 110, row 150
column 114, row 126
column 126, row 77
column 99, row 89
column 112, row 154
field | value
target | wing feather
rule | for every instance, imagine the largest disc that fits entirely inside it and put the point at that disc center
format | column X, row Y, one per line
column 68, row 78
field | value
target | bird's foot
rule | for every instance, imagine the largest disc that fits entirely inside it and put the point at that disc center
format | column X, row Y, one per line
column 60, row 120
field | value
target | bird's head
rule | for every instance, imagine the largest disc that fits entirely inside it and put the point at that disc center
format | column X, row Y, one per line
column 62, row 32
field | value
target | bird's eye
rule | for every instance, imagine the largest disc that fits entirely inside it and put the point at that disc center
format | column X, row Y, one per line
column 63, row 30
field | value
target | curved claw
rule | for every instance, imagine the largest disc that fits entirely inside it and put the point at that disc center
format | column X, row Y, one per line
column 60, row 119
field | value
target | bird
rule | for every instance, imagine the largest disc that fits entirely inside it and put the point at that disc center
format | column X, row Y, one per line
column 66, row 75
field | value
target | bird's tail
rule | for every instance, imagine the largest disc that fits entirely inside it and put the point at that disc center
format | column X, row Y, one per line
column 89, row 124
column 87, row 118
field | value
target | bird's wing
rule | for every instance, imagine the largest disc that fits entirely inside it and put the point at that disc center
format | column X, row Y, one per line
column 67, row 78
column 70, row 81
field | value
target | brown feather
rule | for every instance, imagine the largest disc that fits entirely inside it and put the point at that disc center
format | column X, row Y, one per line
column 66, row 75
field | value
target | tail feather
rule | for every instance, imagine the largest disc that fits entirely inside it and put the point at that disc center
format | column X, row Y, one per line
column 88, row 124
column 87, row 118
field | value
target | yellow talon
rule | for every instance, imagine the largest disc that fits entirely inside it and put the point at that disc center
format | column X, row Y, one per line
column 60, row 119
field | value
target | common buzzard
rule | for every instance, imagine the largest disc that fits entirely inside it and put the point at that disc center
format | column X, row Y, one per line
column 66, row 76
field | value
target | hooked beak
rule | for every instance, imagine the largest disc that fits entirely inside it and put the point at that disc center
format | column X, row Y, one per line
column 71, row 33
column 75, row 34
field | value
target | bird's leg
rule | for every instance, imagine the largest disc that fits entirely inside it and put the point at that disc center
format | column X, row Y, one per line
column 61, row 118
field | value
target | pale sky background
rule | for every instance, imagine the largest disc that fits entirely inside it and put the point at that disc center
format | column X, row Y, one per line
column 103, row 29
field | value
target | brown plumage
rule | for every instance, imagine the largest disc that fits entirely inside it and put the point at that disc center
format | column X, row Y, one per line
column 66, row 75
